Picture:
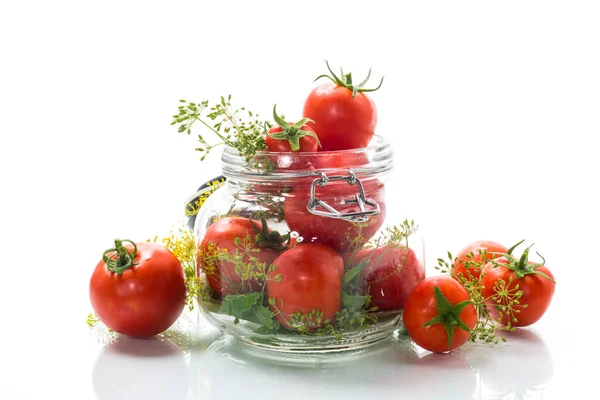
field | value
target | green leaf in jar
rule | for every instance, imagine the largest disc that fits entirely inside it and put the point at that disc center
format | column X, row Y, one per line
column 354, row 272
column 238, row 304
column 353, row 301
column 262, row 315
column 248, row 307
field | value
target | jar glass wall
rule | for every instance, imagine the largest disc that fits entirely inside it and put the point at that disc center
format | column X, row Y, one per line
column 306, row 252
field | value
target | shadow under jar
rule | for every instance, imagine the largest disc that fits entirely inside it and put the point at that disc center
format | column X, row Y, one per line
column 304, row 253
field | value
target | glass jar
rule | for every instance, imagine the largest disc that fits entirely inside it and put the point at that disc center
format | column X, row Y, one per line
column 304, row 252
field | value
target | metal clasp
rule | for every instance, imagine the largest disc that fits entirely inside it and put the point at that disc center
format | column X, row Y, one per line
column 360, row 199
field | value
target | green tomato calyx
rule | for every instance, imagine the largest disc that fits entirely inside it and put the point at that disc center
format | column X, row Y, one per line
column 292, row 133
column 119, row 258
column 345, row 80
column 522, row 266
column 449, row 314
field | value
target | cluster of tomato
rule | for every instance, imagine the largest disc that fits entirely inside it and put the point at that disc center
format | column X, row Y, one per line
column 138, row 294
column 312, row 276
column 139, row 289
column 337, row 115
column 440, row 314
column 304, row 277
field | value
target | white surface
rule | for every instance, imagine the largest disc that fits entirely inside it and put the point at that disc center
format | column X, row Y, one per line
column 492, row 108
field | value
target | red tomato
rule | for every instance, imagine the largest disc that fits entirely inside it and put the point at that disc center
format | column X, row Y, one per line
column 336, row 233
column 308, row 292
column 306, row 143
column 533, row 279
column 288, row 136
column 339, row 160
column 391, row 275
column 221, row 237
column 468, row 262
column 423, row 305
column 344, row 117
column 146, row 292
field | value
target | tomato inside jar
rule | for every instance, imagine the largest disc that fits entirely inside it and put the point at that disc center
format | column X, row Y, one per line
column 308, row 252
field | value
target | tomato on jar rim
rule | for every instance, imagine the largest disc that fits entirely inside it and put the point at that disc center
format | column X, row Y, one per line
column 288, row 136
column 344, row 116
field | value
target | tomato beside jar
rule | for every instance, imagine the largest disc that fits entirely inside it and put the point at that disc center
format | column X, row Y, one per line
column 471, row 259
column 439, row 314
column 518, row 291
column 138, row 289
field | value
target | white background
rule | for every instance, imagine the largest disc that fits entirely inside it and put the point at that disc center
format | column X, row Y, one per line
column 492, row 108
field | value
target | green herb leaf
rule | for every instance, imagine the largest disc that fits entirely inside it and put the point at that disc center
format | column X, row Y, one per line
column 237, row 128
column 248, row 307
column 353, row 301
column 354, row 272
column 238, row 304
column 260, row 314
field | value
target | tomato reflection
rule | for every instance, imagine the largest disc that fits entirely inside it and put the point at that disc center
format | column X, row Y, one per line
column 131, row 368
column 517, row 368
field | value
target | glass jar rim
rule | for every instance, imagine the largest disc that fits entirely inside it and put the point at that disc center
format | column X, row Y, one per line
column 377, row 158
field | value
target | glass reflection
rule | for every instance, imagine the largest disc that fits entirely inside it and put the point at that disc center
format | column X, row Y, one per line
column 395, row 367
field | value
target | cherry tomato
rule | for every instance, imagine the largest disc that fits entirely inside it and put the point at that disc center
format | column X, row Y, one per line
column 336, row 233
column 504, row 277
column 288, row 136
column 468, row 262
column 308, row 291
column 138, row 289
column 344, row 116
column 391, row 275
column 306, row 143
column 234, row 236
column 439, row 314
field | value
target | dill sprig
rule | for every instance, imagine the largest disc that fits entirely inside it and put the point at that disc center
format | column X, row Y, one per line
column 235, row 127
column 182, row 244
column 247, row 266
column 92, row 320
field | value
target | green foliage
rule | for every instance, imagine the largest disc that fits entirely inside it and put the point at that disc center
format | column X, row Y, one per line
column 238, row 128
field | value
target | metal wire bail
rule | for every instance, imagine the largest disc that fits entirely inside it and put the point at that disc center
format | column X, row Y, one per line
column 366, row 206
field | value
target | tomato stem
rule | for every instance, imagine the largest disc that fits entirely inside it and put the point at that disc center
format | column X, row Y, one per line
column 522, row 266
column 292, row 133
column 346, row 81
column 119, row 258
